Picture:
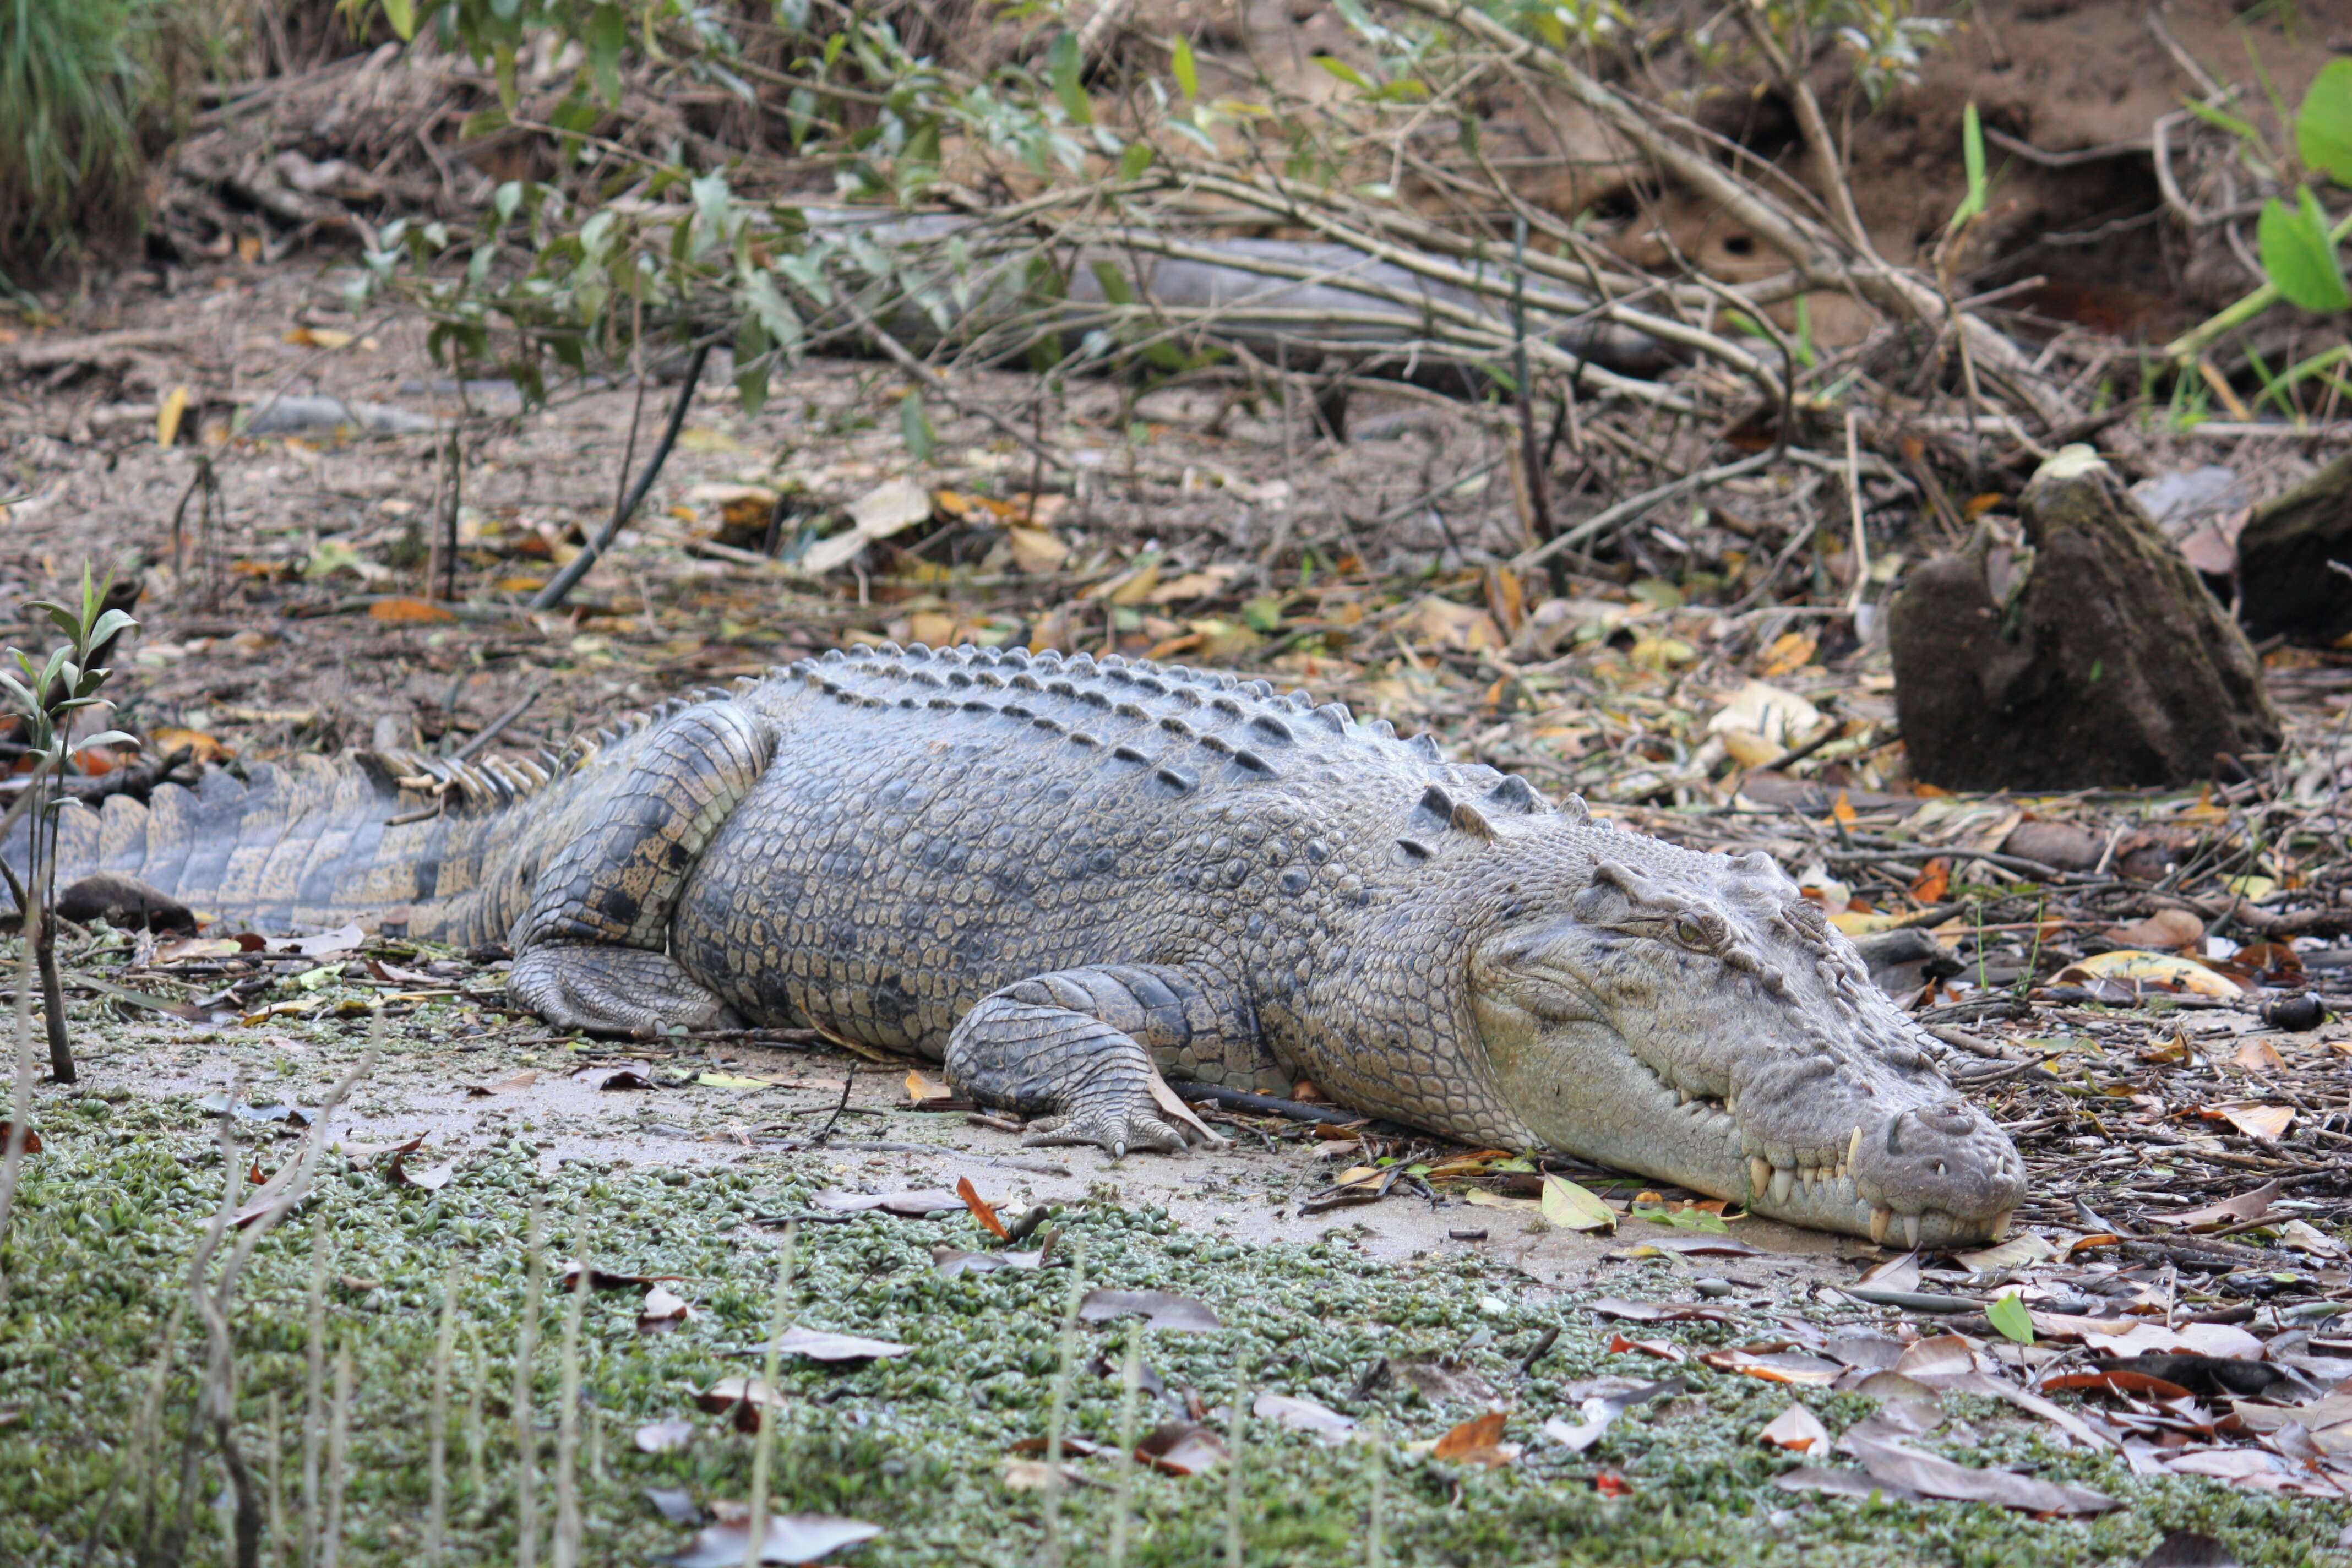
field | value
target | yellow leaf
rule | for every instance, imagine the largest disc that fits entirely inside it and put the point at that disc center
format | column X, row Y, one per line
column 1790, row 651
column 1842, row 808
column 2254, row 889
column 248, row 248
column 1035, row 550
column 1479, row 1197
column 920, row 1089
column 168, row 415
column 724, row 1081
column 2151, row 971
column 701, row 438
column 1137, row 587
column 1572, row 1208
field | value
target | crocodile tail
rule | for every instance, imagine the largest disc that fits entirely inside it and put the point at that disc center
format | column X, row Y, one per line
column 405, row 841
column 444, row 850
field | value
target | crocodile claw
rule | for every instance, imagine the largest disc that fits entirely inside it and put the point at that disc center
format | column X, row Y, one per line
column 1115, row 1129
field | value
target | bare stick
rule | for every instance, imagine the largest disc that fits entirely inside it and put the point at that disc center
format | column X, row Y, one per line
column 763, row 1445
column 526, row 1431
column 437, row 1519
column 478, row 1473
column 1130, row 1378
column 1058, row 1423
column 20, row 1101
column 559, row 587
column 277, row 1480
column 1853, row 490
column 314, row 1391
column 566, row 1553
column 338, row 1438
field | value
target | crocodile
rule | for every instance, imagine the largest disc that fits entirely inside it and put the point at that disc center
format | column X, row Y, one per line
column 1073, row 879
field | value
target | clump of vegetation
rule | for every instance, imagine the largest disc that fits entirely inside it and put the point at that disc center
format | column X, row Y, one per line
column 79, row 107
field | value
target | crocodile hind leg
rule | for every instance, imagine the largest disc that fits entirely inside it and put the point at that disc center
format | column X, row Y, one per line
column 1078, row 1046
column 592, row 952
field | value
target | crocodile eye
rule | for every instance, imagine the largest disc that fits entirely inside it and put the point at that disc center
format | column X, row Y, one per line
column 1689, row 932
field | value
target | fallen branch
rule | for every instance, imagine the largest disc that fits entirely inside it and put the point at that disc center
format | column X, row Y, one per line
column 560, row 586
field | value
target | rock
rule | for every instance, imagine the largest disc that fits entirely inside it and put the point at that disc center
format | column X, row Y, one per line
column 2286, row 584
column 2064, row 844
column 2100, row 659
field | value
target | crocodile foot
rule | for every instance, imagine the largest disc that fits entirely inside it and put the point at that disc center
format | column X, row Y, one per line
column 612, row 990
column 1117, row 1124
column 1044, row 1047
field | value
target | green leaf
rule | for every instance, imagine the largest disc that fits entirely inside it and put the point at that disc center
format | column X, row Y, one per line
column 608, row 34
column 915, row 427
column 1343, row 70
column 1064, row 63
column 2323, row 127
column 1188, row 71
column 2298, row 255
column 1572, row 1208
column 1114, row 287
column 1972, row 154
column 2008, row 1314
column 1135, row 160
column 402, row 14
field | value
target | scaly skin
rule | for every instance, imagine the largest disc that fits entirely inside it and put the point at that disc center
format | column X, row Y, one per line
column 1063, row 878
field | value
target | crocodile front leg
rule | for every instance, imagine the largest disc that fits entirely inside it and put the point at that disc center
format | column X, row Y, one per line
column 1077, row 1045
column 591, row 953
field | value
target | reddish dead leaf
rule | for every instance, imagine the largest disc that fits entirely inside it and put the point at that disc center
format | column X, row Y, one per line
column 374, row 1150
column 664, row 1436
column 790, row 1538
column 1072, row 1445
column 600, row 1280
column 1609, row 1483
column 906, row 1205
column 408, row 612
column 1661, row 1349
column 1776, row 1366
column 981, row 1211
column 1181, row 1449
column 2266, row 1122
column 2118, row 1381
column 515, row 1085
column 1798, row 1430
column 204, row 748
column 819, row 1344
column 2166, row 931
column 32, row 1138
column 1305, row 1416
column 1934, row 881
column 1656, row 1311
column 2260, row 1056
column 664, row 1310
column 431, row 1181
column 741, row 1398
column 1478, row 1442
column 1164, row 1311
column 2242, row 1209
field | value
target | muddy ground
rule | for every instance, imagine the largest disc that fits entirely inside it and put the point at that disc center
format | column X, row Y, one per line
column 293, row 620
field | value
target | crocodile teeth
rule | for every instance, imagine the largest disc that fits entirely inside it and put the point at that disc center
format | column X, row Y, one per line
column 1854, row 1147
column 1880, row 1218
column 1783, row 1181
column 1760, row 1173
column 1911, row 1229
column 1811, row 1176
column 2000, row 1223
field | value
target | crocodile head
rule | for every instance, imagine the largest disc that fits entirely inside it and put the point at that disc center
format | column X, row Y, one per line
column 1693, row 1017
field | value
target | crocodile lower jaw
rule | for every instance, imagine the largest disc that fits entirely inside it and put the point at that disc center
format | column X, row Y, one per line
column 1823, row 1195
